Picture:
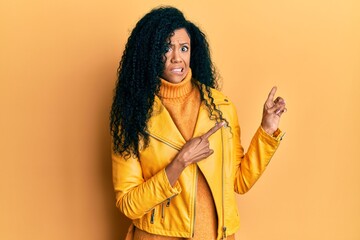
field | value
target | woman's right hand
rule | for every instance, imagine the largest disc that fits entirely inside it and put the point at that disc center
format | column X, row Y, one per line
column 194, row 150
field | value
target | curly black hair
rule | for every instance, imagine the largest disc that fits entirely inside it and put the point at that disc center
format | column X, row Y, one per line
column 138, row 76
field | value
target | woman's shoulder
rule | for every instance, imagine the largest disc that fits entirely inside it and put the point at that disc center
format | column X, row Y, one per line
column 220, row 97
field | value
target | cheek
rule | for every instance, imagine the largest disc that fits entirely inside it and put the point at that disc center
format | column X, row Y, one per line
column 188, row 57
column 166, row 61
column 188, row 60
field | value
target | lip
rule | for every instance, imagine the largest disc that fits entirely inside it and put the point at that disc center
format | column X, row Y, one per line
column 177, row 70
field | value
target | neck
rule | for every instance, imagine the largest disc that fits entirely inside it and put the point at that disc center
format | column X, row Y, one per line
column 176, row 91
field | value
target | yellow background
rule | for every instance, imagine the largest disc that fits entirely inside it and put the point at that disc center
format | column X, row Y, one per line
column 58, row 62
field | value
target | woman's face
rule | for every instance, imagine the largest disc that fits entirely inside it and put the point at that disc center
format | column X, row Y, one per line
column 177, row 57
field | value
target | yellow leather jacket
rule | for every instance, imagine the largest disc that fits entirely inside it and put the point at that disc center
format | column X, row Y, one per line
column 144, row 194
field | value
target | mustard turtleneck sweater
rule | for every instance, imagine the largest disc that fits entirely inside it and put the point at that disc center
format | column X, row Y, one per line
column 182, row 101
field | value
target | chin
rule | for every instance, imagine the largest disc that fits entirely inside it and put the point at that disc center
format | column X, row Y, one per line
column 175, row 79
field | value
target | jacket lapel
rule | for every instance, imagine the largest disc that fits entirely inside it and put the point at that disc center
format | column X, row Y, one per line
column 203, row 123
column 162, row 127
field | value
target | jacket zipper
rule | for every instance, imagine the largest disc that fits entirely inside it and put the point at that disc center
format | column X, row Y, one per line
column 163, row 205
column 152, row 216
column 168, row 202
column 192, row 226
column 166, row 142
column 162, row 213
column 196, row 177
column 222, row 192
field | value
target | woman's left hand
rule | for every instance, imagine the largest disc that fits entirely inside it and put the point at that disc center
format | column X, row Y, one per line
column 273, row 109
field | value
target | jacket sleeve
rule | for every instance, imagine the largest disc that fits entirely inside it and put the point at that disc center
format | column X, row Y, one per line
column 135, row 196
column 250, row 165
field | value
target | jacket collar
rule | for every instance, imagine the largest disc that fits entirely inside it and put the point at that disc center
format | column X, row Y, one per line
column 162, row 127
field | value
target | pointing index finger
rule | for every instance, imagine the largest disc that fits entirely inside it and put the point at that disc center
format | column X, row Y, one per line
column 271, row 95
column 213, row 130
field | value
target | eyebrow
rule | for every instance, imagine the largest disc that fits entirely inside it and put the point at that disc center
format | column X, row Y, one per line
column 181, row 44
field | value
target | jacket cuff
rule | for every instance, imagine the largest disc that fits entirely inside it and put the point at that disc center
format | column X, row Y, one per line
column 170, row 190
column 276, row 137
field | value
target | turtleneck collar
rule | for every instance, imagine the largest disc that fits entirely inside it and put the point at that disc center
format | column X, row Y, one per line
column 176, row 91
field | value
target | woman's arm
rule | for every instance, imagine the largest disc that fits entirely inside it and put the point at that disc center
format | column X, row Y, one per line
column 135, row 196
column 195, row 150
column 131, row 189
column 250, row 165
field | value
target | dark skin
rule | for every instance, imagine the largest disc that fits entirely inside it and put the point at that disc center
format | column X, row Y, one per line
column 198, row 148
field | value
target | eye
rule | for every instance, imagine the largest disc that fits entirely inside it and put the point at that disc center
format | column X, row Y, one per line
column 184, row 48
column 167, row 49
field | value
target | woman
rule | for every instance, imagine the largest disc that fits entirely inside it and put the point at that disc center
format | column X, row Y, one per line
column 177, row 157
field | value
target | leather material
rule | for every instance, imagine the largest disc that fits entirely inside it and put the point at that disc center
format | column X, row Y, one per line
column 144, row 194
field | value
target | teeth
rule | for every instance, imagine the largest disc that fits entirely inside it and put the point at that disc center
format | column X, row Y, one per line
column 177, row 70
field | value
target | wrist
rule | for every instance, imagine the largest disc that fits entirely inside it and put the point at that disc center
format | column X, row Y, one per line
column 173, row 170
column 269, row 131
column 179, row 163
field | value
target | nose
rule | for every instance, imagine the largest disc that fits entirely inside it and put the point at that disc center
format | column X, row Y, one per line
column 176, row 58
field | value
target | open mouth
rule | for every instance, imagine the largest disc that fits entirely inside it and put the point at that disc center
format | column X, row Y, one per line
column 177, row 70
